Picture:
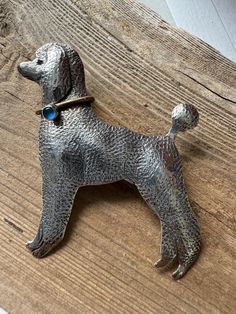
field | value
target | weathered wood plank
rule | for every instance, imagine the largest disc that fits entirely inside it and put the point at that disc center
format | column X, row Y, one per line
column 138, row 67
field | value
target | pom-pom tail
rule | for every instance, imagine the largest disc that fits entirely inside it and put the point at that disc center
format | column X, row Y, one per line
column 184, row 117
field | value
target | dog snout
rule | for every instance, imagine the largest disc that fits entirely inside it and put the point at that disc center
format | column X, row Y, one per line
column 19, row 68
column 29, row 70
column 24, row 68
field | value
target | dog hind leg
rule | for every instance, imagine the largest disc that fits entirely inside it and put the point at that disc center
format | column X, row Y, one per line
column 180, row 229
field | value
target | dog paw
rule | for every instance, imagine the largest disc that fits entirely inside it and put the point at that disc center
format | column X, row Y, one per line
column 39, row 250
column 42, row 245
column 181, row 245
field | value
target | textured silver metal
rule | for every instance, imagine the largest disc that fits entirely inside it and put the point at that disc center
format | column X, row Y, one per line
column 80, row 149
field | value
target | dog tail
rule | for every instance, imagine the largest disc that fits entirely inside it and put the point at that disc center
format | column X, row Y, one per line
column 184, row 117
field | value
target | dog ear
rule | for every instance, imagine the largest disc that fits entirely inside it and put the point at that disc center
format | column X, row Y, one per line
column 57, row 78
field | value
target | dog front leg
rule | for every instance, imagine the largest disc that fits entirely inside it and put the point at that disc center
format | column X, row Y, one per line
column 58, row 197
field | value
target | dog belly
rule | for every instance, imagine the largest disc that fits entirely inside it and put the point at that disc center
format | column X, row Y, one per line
column 102, row 169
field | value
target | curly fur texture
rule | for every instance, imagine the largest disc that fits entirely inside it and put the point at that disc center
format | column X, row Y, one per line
column 80, row 149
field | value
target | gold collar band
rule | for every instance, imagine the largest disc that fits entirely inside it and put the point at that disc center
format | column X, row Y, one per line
column 51, row 111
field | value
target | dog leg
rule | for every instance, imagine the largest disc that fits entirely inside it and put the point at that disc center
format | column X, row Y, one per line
column 180, row 229
column 58, row 196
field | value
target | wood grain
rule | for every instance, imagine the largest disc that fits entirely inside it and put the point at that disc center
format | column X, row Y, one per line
column 138, row 67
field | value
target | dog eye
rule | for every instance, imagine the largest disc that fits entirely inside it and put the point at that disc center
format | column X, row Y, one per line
column 39, row 61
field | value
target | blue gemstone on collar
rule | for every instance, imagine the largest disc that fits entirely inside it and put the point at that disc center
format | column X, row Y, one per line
column 50, row 112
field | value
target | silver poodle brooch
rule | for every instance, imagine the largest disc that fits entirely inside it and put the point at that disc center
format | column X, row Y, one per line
column 77, row 148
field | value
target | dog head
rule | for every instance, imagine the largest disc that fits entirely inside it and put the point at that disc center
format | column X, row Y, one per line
column 59, row 71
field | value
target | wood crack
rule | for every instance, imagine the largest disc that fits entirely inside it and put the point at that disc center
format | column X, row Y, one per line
column 211, row 90
column 13, row 225
column 214, row 216
column 13, row 95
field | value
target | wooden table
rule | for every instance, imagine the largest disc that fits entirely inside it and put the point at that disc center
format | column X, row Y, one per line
column 138, row 68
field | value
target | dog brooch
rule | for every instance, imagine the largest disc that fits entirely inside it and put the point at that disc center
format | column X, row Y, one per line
column 77, row 148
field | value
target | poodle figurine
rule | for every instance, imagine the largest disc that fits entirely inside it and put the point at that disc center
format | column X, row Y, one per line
column 77, row 148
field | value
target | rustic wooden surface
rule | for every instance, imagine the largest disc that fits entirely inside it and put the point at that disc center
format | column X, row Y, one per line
column 138, row 67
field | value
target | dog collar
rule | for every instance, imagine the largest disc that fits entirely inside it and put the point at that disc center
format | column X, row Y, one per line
column 51, row 111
